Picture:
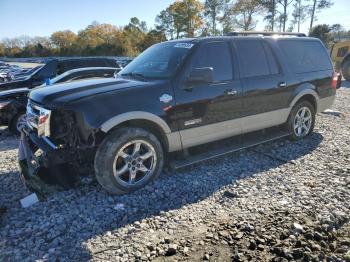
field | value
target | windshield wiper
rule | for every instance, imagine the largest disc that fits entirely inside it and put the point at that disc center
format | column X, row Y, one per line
column 135, row 75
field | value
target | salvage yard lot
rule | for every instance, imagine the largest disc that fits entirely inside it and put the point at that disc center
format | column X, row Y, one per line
column 283, row 199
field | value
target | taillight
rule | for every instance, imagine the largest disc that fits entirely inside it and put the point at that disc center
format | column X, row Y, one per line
column 336, row 80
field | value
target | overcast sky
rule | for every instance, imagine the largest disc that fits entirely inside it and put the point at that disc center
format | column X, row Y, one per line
column 43, row 17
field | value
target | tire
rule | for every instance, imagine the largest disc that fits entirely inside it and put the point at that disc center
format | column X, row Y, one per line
column 295, row 120
column 117, row 159
column 345, row 69
column 15, row 122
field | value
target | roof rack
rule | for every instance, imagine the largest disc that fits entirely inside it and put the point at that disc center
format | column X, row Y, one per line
column 267, row 33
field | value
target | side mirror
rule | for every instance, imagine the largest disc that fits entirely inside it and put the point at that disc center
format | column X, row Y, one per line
column 200, row 76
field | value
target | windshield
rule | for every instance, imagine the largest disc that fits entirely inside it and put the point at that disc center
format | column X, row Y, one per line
column 160, row 61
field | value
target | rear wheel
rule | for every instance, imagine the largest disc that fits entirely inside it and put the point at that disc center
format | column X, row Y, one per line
column 301, row 120
column 128, row 159
column 346, row 69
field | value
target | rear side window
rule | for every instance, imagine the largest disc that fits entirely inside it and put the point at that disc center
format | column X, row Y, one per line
column 216, row 55
column 305, row 56
column 342, row 51
column 253, row 59
column 274, row 69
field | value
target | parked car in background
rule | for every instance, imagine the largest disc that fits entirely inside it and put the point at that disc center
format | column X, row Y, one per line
column 174, row 96
column 6, row 70
column 340, row 54
column 56, row 67
column 13, row 102
column 21, row 75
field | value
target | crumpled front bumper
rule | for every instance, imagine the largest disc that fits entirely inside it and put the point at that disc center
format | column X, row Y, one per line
column 41, row 163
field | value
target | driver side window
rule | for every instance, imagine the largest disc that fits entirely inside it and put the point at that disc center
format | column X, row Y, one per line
column 216, row 55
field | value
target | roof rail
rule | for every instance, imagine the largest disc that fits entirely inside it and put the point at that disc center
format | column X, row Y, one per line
column 267, row 33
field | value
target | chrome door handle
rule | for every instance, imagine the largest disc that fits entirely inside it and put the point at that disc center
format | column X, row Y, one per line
column 282, row 84
column 231, row 92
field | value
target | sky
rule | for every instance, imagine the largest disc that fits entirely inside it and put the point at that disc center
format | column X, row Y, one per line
column 43, row 17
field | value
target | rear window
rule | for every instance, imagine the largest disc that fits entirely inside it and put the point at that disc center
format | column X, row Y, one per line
column 342, row 51
column 305, row 56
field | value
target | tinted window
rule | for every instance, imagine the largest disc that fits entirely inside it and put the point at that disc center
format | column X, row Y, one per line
column 274, row 69
column 253, row 59
column 342, row 51
column 305, row 56
column 160, row 60
column 216, row 55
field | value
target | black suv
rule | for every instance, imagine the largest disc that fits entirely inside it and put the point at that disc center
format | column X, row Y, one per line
column 175, row 95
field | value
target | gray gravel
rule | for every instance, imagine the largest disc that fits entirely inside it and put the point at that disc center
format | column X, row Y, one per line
column 275, row 202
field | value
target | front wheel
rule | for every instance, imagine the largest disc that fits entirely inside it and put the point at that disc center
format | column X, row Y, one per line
column 301, row 120
column 128, row 159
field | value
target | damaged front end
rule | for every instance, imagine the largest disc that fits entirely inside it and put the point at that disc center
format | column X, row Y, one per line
column 52, row 151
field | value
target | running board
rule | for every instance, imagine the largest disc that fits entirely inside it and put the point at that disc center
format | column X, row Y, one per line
column 228, row 146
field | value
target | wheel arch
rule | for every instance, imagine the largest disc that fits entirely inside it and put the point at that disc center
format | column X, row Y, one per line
column 148, row 121
column 309, row 95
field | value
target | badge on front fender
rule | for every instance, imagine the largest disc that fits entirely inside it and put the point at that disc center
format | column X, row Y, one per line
column 165, row 98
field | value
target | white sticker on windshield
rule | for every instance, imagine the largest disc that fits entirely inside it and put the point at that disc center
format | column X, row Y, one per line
column 184, row 45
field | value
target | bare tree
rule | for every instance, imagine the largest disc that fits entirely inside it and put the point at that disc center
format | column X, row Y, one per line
column 284, row 13
column 299, row 15
column 317, row 6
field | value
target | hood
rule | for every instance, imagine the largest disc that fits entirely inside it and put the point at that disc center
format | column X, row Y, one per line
column 60, row 94
column 14, row 92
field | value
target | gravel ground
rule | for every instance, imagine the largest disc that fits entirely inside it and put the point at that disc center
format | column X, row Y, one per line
column 275, row 202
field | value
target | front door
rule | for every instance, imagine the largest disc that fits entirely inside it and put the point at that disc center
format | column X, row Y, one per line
column 206, row 112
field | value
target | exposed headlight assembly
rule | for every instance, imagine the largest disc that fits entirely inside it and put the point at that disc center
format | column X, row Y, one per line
column 39, row 118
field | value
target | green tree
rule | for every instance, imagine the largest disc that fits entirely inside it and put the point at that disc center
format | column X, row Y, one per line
column 270, row 7
column 212, row 10
column 323, row 32
column 2, row 50
column 64, row 41
column 165, row 23
column 243, row 13
column 226, row 19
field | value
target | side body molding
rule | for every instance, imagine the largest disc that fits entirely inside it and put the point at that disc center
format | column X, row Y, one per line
column 114, row 121
column 174, row 139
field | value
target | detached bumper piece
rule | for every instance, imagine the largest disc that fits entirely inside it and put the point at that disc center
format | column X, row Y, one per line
column 43, row 166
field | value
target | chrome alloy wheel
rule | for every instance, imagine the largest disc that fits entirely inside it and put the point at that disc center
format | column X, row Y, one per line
column 135, row 161
column 302, row 122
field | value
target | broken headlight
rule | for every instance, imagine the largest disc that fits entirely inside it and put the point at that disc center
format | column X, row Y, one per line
column 38, row 118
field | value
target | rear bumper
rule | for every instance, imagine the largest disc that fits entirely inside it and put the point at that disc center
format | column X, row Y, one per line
column 325, row 103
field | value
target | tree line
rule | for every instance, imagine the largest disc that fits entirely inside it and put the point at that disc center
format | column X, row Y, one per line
column 182, row 18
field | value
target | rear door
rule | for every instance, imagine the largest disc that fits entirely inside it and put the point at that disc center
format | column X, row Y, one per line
column 206, row 112
column 265, row 88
